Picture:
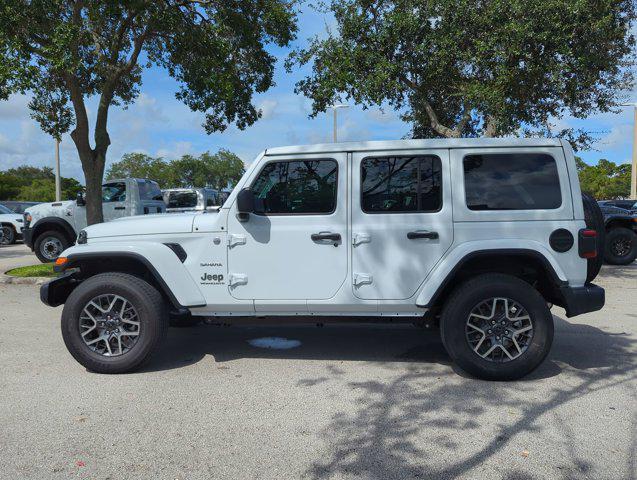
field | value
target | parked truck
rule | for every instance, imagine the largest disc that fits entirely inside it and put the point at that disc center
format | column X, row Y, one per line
column 50, row 228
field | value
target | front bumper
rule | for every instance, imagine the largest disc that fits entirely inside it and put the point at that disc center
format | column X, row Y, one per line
column 579, row 300
column 55, row 292
column 27, row 237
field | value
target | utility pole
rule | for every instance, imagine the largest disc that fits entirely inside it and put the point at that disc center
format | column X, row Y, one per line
column 633, row 171
column 335, row 108
column 58, row 185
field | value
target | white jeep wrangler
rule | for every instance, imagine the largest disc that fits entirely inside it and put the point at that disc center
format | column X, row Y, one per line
column 480, row 235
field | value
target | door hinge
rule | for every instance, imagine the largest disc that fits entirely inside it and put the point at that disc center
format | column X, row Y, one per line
column 237, row 279
column 363, row 279
column 359, row 238
column 236, row 239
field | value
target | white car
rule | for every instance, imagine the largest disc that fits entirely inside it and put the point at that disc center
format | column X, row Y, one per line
column 49, row 228
column 478, row 235
column 11, row 224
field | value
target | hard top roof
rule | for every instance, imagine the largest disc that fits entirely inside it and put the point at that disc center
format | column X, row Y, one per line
column 387, row 145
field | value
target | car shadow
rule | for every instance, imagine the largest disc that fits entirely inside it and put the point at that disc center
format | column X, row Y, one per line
column 374, row 342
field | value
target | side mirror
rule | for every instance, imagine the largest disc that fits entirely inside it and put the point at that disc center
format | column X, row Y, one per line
column 245, row 204
column 80, row 199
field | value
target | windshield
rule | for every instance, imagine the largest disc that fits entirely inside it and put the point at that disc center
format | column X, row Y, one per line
column 149, row 190
column 4, row 209
column 182, row 200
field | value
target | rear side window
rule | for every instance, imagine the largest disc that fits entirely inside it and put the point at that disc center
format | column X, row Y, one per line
column 297, row 187
column 114, row 192
column 149, row 190
column 401, row 184
column 182, row 199
column 520, row 181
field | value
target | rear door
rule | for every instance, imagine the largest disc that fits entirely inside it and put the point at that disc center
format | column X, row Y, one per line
column 401, row 220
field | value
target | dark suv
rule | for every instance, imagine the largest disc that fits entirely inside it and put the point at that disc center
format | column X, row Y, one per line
column 621, row 232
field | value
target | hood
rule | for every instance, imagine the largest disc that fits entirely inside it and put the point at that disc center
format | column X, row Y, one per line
column 143, row 225
column 53, row 209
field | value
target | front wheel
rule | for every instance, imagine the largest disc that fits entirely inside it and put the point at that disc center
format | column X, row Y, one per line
column 114, row 322
column 8, row 235
column 621, row 246
column 497, row 327
column 49, row 245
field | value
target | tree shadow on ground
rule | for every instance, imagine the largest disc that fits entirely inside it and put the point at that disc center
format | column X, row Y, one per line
column 420, row 400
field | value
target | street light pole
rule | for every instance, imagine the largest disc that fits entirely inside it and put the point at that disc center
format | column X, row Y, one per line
column 633, row 170
column 58, row 186
column 336, row 107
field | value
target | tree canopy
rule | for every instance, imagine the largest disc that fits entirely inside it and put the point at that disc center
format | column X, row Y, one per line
column 465, row 68
column 606, row 180
column 35, row 184
column 65, row 51
column 218, row 170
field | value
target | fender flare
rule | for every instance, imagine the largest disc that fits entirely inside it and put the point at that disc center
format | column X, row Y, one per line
column 40, row 226
column 159, row 260
column 428, row 297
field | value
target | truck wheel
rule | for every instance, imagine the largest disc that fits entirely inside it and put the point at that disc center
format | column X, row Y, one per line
column 113, row 322
column 497, row 327
column 594, row 219
column 49, row 245
column 621, row 246
column 8, row 235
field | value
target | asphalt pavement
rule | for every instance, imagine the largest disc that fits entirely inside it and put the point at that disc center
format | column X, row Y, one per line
column 353, row 402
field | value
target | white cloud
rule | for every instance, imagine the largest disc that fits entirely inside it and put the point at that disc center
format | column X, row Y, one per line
column 619, row 136
column 268, row 108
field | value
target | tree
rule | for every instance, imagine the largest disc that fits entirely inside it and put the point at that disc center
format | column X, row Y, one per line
column 140, row 165
column 606, row 180
column 35, row 184
column 65, row 51
column 218, row 171
column 464, row 68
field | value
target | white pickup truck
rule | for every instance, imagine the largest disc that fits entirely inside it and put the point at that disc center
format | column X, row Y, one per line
column 49, row 228
column 478, row 235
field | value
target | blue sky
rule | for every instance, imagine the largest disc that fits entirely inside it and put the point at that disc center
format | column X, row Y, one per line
column 160, row 125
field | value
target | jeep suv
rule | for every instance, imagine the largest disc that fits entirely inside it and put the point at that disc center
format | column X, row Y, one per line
column 479, row 235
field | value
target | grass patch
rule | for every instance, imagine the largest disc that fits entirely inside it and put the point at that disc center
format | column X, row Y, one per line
column 41, row 270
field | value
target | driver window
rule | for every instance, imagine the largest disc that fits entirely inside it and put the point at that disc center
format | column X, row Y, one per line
column 114, row 192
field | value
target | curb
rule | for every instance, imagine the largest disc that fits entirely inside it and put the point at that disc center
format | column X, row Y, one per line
column 7, row 279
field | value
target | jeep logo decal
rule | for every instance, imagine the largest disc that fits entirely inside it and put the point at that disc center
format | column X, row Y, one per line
column 216, row 278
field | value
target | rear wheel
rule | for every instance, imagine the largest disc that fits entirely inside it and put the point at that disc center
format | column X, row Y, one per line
column 49, row 245
column 114, row 322
column 621, row 246
column 497, row 327
column 8, row 235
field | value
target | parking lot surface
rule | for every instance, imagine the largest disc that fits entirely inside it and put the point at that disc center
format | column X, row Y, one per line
column 377, row 402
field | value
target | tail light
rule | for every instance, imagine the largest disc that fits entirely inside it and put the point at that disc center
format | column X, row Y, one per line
column 587, row 243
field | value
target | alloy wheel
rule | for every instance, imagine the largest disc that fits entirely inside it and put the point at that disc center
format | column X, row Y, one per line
column 499, row 329
column 109, row 325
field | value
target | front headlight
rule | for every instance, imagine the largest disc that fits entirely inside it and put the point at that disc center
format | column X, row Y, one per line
column 27, row 217
column 82, row 238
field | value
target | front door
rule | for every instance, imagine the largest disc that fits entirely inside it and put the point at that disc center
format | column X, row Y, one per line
column 401, row 220
column 296, row 249
column 114, row 200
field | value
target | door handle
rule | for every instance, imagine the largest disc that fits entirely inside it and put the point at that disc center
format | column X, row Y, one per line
column 119, row 208
column 422, row 234
column 334, row 237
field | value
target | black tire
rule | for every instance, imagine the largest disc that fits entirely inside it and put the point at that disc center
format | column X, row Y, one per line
column 595, row 221
column 145, row 299
column 8, row 235
column 184, row 321
column 621, row 246
column 44, row 240
column 455, row 314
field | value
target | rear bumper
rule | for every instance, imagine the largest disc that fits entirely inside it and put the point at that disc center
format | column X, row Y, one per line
column 579, row 300
column 27, row 237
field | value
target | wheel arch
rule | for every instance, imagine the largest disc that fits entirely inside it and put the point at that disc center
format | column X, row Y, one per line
column 619, row 222
column 158, row 265
column 527, row 264
column 54, row 223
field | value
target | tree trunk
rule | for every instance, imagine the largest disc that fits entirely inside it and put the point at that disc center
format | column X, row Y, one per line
column 93, row 167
